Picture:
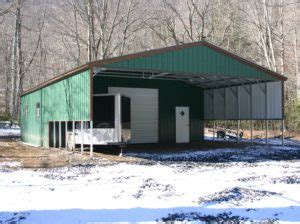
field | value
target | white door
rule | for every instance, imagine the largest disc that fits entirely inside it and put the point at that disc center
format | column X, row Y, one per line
column 144, row 113
column 182, row 124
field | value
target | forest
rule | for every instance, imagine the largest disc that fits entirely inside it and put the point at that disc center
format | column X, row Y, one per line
column 40, row 39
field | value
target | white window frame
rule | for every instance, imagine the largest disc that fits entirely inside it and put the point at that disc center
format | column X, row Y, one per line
column 38, row 109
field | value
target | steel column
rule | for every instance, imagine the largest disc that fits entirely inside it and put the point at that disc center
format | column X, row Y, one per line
column 54, row 134
column 251, row 112
column 266, row 112
column 213, row 101
column 91, row 139
column 66, row 134
column 59, row 134
column 73, row 136
column 282, row 131
column 81, row 126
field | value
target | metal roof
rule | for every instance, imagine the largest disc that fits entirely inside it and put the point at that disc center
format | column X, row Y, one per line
column 111, row 67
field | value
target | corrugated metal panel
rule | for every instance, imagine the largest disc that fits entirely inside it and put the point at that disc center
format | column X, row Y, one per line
column 197, row 60
column 274, row 100
column 68, row 99
column 208, row 104
column 171, row 94
column 231, row 103
column 258, row 101
column 31, row 124
column 244, row 102
column 144, row 113
column 219, row 104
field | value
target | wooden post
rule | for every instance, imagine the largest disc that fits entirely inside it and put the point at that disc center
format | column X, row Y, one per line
column 91, row 139
column 66, row 135
column 59, row 134
column 73, row 136
column 54, row 134
column 81, row 126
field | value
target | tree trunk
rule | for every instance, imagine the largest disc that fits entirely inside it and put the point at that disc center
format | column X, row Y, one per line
column 17, row 62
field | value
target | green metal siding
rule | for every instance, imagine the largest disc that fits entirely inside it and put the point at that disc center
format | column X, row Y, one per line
column 195, row 60
column 171, row 94
column 68, row 99
column 31, row 125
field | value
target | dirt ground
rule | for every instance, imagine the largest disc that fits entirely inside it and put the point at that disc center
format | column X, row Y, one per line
column 26, row 156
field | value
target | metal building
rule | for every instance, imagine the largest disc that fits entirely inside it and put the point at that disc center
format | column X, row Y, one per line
column 171, row 92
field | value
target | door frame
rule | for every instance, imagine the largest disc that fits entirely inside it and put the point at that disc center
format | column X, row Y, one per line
column 188, row 124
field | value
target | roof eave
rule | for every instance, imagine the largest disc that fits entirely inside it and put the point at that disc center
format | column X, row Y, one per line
column 58, row 78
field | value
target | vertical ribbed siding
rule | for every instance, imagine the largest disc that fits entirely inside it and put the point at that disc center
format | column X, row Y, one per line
column 197, row 60
column 31, row 125
column 68, row 99
column 171, row 94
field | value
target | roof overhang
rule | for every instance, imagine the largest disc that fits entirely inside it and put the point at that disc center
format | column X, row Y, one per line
column 205, row 81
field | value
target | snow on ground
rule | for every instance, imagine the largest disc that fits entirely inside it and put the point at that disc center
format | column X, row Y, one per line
column 256, row 183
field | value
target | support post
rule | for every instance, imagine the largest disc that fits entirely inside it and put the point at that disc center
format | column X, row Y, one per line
column 59, row 134
column 91, row 139
column 214, row 130
column 266, row 111
column 267, row 128
column 252, row 132
column 282, row 112
column 225, row 126
column 214, row 122
column 81, row 126
column 54, row 134
column 66, row 135
column 237, row 133
column 225, row 112
column 251, row 113
column 282, row 132
column 238, row 114
column 73, row 135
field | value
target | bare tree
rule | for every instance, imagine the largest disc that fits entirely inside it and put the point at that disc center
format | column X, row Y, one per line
column 20, row 66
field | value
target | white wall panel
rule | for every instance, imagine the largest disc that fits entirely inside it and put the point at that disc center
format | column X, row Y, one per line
column 144, row 113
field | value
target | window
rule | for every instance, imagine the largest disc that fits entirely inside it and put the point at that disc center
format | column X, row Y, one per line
column 104, row 112
column 38, row 110
column 26, row 111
